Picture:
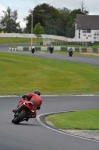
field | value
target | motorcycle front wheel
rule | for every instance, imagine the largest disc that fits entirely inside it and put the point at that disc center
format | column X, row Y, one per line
column 51, row 51
column 70, row 54
column 33, row 51
column 20, row 117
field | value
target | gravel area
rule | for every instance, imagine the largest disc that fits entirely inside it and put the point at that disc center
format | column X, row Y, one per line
column 91, row 134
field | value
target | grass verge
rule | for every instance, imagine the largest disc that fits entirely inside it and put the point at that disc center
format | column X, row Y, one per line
column 80, row 120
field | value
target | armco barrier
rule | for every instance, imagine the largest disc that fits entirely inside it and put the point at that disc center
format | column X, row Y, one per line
column 64, row 48
column 13, row 49
column 20, row 48
column 89, row 50
column 95, row 50
column 25, row 48
column 76, row 49
column 37, row 48
column 44, row 48
column 84, row 50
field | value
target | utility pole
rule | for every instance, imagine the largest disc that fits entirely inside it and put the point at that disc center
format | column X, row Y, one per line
column 82, row 6
column 31, row 26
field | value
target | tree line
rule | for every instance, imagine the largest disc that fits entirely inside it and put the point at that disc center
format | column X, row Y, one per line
column 51, row 20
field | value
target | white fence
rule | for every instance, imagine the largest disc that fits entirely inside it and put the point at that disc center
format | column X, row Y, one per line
column 33, row 36
column 44, row 36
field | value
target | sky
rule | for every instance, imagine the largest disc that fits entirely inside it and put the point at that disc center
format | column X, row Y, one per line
column 23, row 6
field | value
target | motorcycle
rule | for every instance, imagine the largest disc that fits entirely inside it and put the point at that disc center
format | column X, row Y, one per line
column 24, row 111
column 51, row 49
column 70, row 51
column 32, row 50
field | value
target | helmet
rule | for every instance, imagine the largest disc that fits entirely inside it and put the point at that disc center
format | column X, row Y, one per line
column 37, row 92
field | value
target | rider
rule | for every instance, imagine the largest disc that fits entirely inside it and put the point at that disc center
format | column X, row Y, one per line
column 36, row 100
column 32, row 47
column 51, row 46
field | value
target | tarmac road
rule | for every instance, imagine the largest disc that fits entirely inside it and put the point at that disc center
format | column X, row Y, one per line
column 32, row 135
column 85, row 60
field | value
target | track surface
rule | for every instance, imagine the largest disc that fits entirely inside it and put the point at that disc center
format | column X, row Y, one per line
column 32, row 135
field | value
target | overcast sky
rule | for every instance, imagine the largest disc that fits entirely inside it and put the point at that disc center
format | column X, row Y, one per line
column 23, row 6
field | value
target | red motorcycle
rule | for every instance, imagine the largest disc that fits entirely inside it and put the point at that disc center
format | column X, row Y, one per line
column 23, row 112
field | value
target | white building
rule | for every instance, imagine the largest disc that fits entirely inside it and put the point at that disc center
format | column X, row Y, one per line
column 87, row 28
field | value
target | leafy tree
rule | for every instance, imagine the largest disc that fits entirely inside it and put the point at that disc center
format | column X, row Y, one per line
column 65, row 12
column 8, row 21
column 38, row 30
column 46, row 15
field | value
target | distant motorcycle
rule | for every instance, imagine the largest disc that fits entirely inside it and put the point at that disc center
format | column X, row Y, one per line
column 32, row 49
column 70, row 51
column 23, row 111
column 51, row 48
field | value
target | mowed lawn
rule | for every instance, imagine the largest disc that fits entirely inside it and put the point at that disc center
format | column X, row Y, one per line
column 21, row 74
column 79, row 120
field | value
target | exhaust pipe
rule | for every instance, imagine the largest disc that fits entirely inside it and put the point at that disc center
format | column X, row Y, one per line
column 21, row 107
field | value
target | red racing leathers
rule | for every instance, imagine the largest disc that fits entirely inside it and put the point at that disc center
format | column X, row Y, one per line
column 36, row 100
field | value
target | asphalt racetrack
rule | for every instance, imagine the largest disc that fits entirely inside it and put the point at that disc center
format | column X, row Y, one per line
column 36, row 134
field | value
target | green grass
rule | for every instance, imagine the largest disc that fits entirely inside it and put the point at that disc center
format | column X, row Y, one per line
column 21, row 74
column 11, row 40
column 93, row 55
column 80, row 120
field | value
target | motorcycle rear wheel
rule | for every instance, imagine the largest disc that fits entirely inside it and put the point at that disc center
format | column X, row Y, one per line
column 20, row 116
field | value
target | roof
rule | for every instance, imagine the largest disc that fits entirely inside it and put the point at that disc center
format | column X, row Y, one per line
column 87, row 22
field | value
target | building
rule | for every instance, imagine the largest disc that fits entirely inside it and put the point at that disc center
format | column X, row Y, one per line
column 87, row 28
